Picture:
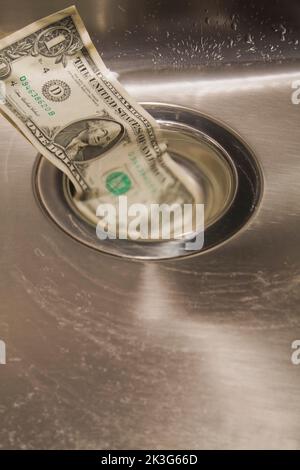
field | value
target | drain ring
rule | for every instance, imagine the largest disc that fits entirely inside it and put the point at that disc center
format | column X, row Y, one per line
column 50, row 190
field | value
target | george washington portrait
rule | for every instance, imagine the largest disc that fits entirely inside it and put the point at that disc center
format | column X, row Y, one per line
column 88, row 139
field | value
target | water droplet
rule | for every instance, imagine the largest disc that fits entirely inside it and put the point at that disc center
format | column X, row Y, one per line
column 249, row 39
column 283, row 32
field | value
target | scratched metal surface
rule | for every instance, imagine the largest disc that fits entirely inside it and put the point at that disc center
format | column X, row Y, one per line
column 110, row 353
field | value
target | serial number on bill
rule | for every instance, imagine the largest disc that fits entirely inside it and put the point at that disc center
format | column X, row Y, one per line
column 150, row 459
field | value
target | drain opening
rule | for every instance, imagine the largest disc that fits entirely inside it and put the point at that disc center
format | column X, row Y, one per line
column 227, row 176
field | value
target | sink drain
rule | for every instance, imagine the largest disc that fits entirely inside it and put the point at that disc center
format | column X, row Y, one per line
column 220, row 164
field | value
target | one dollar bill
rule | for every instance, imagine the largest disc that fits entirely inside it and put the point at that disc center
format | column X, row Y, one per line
column 60, row 95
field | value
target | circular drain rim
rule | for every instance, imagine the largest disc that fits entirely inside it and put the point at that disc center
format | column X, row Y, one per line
column 48, row 183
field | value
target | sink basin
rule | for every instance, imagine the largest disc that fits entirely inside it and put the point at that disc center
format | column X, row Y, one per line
column 104, row 352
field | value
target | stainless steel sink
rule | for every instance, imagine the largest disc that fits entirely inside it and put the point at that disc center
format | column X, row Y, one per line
column 105, row 352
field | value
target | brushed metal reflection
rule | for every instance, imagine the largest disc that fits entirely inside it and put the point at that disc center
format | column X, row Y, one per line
column 109, row 353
